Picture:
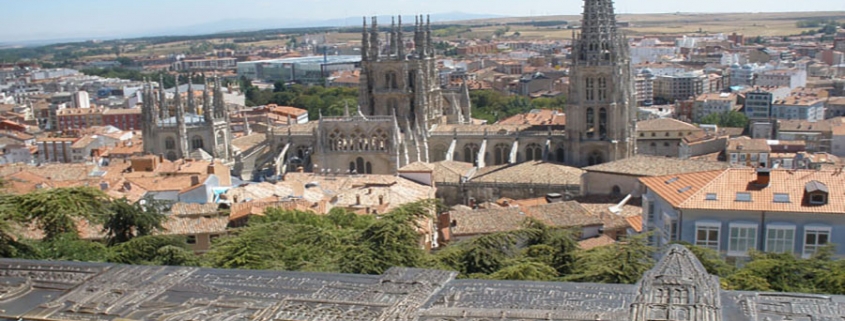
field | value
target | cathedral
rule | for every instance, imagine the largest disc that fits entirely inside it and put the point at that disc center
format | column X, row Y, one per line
column 198, row 130
column 404, row 116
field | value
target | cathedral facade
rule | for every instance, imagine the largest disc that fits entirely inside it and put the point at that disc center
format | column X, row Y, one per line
column 198, row 130
column 404, row 116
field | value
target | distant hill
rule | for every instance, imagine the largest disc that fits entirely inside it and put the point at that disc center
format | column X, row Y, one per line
column 245, row 25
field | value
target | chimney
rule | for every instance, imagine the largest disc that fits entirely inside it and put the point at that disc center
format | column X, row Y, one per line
column 104, row 186
column 554, row 198
column 127, row 186
column 195, row 180
column 763, row 177
column 211, row 168
column 161, row 158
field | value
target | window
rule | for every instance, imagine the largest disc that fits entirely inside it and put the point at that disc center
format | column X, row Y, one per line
column 711, row 197
column 192, row 239
column 814, row 238
column 780, row 238
column 743, row 237
column 781, row 198
column 707, row 235
column 169, row 143
column 818, row 199
column 743, row 197
column 196, row 142
column 670, row 227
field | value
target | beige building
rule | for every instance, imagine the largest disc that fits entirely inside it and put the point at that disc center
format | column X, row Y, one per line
column 622, row 177
column 663, row 136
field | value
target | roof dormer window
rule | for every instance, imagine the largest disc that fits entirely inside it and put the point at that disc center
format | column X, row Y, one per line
column 816, row 193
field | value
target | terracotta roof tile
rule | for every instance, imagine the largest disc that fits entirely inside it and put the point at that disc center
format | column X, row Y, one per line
column 598, row 241
column 665, row 124
column 451, row 171
column 673, row 188
column 529, row 172
column 417, row 167
column 503, row 219
column 718, row 190
column 643, row 165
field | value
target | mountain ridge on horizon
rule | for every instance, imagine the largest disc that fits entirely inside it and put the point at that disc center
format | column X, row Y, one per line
column 258, row 25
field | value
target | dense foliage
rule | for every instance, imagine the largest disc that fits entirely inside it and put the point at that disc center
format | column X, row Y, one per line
column 346, row 242
column 315, row 99
column 493, row 106
column 726, row 119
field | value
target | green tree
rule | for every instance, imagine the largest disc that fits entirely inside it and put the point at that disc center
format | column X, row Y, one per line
column 726, row 119
column 154, row 250
column 526, row 271
column 68, row 247
column 56, row 211
column 124, row 220
column 624, row 262
column 710, row 259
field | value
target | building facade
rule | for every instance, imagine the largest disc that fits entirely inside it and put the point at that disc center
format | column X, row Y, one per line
column 739, row 210
column 403, row 115
column 200, row 132
column 678, row 287
column 601, row 115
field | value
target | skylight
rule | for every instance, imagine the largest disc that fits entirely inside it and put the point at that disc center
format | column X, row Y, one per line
column 710, row 197
column 685, row 189
column 675, row 179
column 781, row 198
column 743, row 197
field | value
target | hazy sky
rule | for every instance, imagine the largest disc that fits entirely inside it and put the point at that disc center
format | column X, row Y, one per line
column 49, row 19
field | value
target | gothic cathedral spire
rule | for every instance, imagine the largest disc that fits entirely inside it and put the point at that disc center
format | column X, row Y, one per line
column 601, row 119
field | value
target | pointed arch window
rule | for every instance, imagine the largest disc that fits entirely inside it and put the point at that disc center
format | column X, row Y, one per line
column 589, row 92
column 591, row 122
column 595, row 158
column 359, row 165
column 501, row 154
column 533, row 152
column 602, row 91
column 471, row 153
column 603, row 123
column 390, row 81
column 169, row 143
column 560, row 155
column 196, row 142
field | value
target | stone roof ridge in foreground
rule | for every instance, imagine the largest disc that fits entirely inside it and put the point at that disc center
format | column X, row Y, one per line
column 46, row 291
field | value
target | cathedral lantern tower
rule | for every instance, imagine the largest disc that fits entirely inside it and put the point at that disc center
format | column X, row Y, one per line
column 395, row 79
column 601, row 119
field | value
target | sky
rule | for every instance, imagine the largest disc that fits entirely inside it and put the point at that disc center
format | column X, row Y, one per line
column 59, row 19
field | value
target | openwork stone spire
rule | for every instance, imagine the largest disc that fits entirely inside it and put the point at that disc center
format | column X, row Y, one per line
column 599, row 38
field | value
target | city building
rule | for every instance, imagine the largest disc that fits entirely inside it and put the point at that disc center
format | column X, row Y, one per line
column 713, row 103
column 201, row 132
column 759, row 102
column 748, row 152
column 739, row 210
column 662, row 136
column 306, row 70
column 123, row 118
column 200, row 65
column 799, row 106
column 78, row 118
column 792, row 78
column 670, row 88
column 644, row 87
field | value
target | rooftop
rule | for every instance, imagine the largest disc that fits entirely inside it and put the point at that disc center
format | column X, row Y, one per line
column 535, row 172
column 642, row 165
column 665, row 124
column 717, row 190
column 504, row 219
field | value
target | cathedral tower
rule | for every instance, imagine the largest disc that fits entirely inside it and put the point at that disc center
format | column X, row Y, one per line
column 601, row 119
column 398, row 79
